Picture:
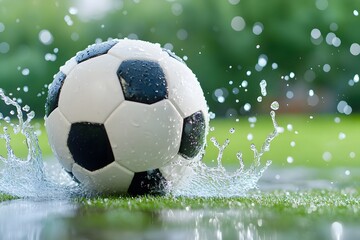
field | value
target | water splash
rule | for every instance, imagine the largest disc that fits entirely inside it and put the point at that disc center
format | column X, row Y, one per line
column 27, row 177
column 217, row 181
column 274, row 105
column 31, row 178
column 263, row 85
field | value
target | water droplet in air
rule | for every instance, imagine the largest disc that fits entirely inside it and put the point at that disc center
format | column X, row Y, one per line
column 244, row 83
column 247, row 107
column 262, row 61
column 327, row 156
column 342, row 136
column 252, row 119
column 50, row 57
column 2, row 27
column 68, row 20
column 263, row 85
column 4, row 47
column 337, row 120
column 315, row 33
column 46, row 37
column 182, row 34
column 177, row 9
column 258, row 28
column 355, row 49
column 7, row 119
column 321, row 4
column 356, row 78
column 25, row 72
column 275, row 105
column 238, row 23
column 274, row 66
column 234, row 2
column 290, row 94
column 326, row 68
column 26, row 108
column 73, row 10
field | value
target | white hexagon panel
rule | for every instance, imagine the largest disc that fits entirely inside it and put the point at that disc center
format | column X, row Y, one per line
column 109, row 179
column 135, row 49
column 184, row 89
column 92, row 90
column 58, row 128
column 145, row 136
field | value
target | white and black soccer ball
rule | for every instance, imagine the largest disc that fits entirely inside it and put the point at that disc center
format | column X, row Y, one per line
column 120, row 114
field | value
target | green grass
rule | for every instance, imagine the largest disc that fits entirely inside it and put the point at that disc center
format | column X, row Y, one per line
column 281, row 210
column 330, row 203
column 18, row 141
column 4, row 197
column 287, row 215
column 312, row 138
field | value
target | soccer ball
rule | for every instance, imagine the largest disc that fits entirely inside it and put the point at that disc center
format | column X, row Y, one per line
column 122, row 114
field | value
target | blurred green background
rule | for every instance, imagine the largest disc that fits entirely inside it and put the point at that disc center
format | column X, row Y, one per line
column 307, row 51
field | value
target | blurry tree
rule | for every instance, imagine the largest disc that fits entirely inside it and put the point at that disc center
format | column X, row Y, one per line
column 221, row 40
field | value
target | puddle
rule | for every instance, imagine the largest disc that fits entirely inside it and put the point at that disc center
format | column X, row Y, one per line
column 64, row 219
column 26, row 219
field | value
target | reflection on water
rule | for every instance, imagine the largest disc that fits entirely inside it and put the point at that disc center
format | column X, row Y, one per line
column 25, row 219
column 66, row 219
column 255, row 224
column 302, row 178
column 218, row 224
column 35, row 220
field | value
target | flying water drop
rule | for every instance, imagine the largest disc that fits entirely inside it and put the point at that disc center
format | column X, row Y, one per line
column 263, row 85
column 217, row 181
column 275, row 105
column 26, row 177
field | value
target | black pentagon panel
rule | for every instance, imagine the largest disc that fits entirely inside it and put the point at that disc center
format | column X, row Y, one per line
column 52, row 100
column 173, row 55
column 148, row 183
column 90, row 146
column 142, row 81
column 95, row 50
column 193, row 135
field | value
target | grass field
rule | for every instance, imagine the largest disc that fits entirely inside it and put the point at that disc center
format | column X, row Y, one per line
column 327, row 208
column 312, row 137
column 306, row 141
